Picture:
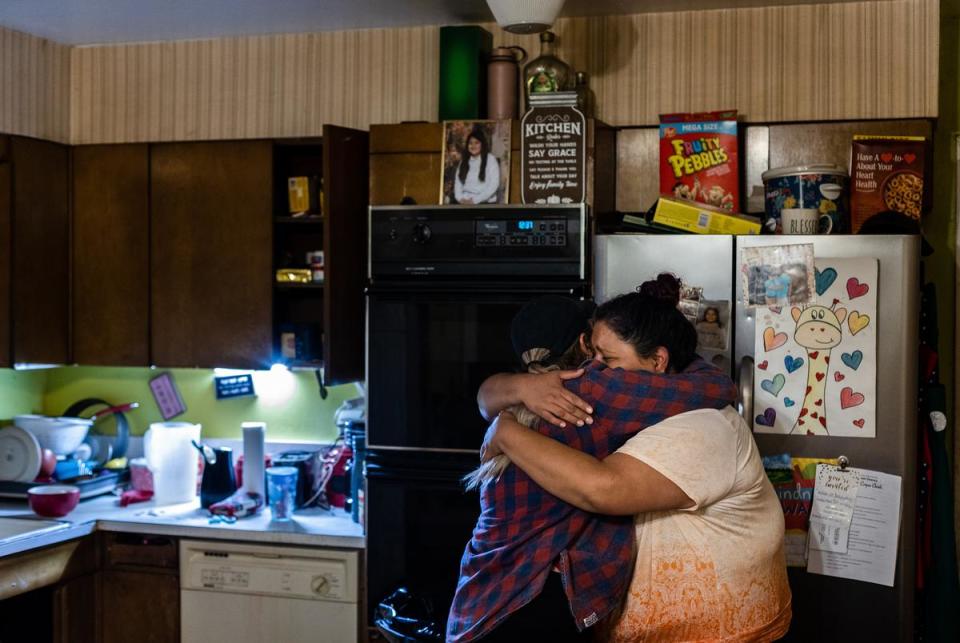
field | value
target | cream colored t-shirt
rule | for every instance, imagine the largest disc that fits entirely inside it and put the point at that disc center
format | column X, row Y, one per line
column 716, row 571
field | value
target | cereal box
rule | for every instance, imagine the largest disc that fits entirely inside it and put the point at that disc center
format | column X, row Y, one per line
column 698, row 158
column 699, row 218
column 887, row 173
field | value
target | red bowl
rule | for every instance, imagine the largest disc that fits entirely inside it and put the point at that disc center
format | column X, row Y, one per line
column 53, row 500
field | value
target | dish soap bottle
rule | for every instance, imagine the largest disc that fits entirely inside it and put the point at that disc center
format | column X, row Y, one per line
column 547, row 73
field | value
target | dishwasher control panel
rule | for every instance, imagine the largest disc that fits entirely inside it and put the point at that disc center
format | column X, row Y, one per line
column 290, row 572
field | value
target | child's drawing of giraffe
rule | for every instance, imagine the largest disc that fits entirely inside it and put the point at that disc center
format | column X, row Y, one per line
column 819, row 329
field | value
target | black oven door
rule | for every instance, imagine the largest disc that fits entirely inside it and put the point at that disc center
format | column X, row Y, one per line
column 419, row 519
column 428, row 351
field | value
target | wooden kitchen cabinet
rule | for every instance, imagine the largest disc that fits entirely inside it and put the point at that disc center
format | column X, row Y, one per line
column 110, row 259
column 6, row 219
column 326, row 317
column 210, row 254
column 139, row 589
column 39, row 250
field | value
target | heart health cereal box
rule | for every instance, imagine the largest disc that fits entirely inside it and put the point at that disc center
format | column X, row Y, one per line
column 887, row 173
column 699, row 158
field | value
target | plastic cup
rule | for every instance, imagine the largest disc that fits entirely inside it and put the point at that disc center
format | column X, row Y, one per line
column 281, row 491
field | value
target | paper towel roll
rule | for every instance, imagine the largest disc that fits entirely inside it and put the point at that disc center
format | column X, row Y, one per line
column 253, row 474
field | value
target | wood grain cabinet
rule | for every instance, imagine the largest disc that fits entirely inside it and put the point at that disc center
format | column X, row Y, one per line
column 326, row 317
column 210, row 254
column 110, row 259
column 34, row 241
column 139, row 589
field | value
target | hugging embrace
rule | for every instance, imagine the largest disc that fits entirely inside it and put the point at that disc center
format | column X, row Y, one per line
column 629, row 503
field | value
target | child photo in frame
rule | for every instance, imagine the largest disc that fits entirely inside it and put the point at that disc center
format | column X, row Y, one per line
column 476, row 162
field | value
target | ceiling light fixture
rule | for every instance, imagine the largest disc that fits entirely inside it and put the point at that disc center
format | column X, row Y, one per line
column 525, row 16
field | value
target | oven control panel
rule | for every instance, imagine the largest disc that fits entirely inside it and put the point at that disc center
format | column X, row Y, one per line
column 521, row 232
column 497, row 241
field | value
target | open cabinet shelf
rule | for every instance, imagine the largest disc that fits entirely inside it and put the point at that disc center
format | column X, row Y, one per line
column 320, row 324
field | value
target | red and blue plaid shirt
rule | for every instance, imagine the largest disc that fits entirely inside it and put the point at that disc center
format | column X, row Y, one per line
column 523, row 531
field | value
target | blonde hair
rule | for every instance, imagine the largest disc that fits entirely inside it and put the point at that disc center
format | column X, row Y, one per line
column 492, row 469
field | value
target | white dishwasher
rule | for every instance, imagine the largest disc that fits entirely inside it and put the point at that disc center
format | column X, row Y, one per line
column 257, row 594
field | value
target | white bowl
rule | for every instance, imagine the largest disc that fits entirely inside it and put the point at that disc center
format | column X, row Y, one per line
column 61, row 435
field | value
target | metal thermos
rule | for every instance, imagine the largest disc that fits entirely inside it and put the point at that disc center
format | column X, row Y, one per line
column 502, row 82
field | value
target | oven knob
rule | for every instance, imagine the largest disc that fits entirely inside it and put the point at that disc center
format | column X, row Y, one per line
column 421, row 233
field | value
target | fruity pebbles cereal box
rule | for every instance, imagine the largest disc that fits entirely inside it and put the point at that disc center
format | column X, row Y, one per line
column 698, row 158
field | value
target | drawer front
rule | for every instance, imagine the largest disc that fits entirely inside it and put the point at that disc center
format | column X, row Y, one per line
column 122, row 551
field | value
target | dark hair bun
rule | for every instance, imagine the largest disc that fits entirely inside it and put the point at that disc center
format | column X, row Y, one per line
column 665, row 288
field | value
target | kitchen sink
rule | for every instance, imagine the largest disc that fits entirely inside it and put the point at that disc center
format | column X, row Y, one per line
column 14, row 528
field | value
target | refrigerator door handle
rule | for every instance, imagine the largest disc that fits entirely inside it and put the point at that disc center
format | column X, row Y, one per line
column 745, row 377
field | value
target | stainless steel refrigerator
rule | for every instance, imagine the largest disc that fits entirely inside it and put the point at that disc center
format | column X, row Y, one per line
column 824, row 607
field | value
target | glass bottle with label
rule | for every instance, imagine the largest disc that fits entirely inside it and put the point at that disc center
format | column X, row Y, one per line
column 585, row 96
column 547, row 73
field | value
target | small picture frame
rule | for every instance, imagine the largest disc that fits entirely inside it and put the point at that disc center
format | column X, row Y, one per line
column 689, row 305
column 713, row 325
column 476, row 162
column 167, row 396
column 777, row 275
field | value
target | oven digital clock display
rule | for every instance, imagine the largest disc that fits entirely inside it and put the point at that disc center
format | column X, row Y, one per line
column 521, row 232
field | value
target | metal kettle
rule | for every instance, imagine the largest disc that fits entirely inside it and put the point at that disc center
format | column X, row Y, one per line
column 219, row 481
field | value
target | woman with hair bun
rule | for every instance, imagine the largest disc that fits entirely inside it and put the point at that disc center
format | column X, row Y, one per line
column 535, row 560
column 708, row 526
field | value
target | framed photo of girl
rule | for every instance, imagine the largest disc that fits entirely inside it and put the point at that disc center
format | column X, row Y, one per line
column 476, row 162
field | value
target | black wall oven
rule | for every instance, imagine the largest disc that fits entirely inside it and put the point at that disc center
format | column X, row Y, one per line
column 444, row 285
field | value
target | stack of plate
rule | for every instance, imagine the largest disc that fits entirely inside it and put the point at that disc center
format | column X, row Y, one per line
column 20, row 455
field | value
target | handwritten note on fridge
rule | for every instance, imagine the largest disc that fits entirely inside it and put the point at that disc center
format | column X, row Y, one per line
column 870, row 554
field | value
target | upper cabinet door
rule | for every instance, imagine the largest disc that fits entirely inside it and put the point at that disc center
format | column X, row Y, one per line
column 346, row 162
column 211, row 245
column 6, row 216
column 41, row 251
column 111, row 255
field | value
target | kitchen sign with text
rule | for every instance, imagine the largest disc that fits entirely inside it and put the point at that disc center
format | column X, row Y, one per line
column 553, row 155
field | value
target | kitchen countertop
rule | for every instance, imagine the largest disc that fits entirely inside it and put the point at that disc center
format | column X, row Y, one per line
column 311, row 527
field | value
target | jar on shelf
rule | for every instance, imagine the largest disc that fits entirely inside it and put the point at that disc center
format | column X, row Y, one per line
column 546, row 72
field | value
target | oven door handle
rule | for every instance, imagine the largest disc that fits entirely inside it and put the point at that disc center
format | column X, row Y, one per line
column 478, row 289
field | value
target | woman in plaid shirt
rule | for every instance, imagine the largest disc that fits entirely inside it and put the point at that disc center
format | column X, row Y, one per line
column 507, row 590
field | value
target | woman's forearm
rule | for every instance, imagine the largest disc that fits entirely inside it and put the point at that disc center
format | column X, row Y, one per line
column 571, row 475
column 619, row 485
column 497, row 393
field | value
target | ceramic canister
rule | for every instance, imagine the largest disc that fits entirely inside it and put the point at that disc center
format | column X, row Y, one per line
column 821, row 187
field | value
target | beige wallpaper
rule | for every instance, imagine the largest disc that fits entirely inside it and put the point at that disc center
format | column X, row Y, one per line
column 265, row 86
column 34, row 86
column 794, row 63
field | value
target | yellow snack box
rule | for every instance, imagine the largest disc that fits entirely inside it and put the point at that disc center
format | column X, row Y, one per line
column 700, row 218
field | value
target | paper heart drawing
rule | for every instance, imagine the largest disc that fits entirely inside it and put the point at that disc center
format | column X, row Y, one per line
column 769, row 418
column 829, row 364
column 857, row 322
column 792, row 363
column 773, row 340
column 848, row 398
column 775, row 385
column 856, row 289
column 852, row 360
column 824, row 279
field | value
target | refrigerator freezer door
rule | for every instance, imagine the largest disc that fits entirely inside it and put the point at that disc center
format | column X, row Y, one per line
column 824, row 607
column 624, row 261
